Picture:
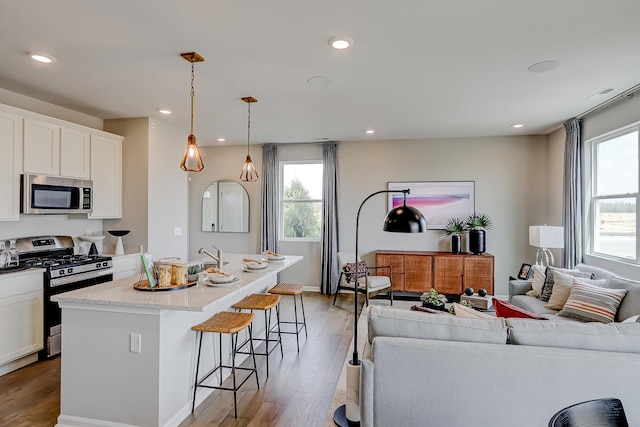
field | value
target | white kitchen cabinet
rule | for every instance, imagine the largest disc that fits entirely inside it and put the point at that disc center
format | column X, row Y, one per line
column 10, row 166
column 74, row 153
column 126, row 266
column 21, row 318
column 41, row 147
column 106, row 174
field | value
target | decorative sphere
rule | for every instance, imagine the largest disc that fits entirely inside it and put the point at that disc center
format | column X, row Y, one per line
column 482, row 292
column 468, row 291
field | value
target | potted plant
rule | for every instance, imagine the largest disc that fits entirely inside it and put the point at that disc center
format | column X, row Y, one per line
column 455, row 227
column 192, row 272
column 477, row 224
column 432, row 299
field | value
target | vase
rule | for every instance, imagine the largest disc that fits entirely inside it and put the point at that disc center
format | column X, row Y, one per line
column 456, row 243
column 476, row 242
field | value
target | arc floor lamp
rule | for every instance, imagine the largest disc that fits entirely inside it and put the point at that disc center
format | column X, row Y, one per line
column 403, row 219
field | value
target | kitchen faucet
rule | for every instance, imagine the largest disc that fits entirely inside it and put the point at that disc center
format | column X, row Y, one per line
column 218, row 259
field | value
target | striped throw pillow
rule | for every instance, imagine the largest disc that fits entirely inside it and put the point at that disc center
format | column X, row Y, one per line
column 590, row 303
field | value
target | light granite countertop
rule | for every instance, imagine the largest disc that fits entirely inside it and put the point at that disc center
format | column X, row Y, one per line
column 120, row 293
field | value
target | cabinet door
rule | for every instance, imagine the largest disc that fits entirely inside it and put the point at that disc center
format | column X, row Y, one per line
column 74, row 153
column 10, row 166
column 397, row 269
column 418, row 273
column 41, row 147
column 447, row 274
column 478, row 272
column 106, row 174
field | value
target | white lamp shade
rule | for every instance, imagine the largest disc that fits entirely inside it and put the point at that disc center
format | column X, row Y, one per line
column 546, row 236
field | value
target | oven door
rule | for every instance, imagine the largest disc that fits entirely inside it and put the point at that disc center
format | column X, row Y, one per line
column 52, row 311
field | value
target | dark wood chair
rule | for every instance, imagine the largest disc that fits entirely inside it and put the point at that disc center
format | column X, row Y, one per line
column 367, row 283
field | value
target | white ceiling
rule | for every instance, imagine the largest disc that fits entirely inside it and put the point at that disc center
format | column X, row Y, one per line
column 417, row 68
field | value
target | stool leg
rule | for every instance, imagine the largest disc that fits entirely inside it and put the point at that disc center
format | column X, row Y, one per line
column 233, row 373
column 220, row 354
column 278, row 321
column 195, row 385
column 253, row 355
column 295, row 316
column 266, row 343
column 304, row 318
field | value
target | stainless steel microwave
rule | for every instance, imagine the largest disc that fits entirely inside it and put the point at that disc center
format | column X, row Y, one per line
column 42, row 194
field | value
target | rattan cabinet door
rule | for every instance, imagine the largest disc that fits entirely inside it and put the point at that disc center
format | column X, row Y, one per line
column 478, row 272
column 447, row 274
column 418, row 273
column 396, row 262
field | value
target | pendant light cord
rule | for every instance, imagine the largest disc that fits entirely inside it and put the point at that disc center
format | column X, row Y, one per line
column 192, row 92
column 248, row 126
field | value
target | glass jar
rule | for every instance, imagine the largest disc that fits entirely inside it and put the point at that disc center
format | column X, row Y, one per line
column 164, row 275
column 3, row 254
column 14, row 259
column 179, row 274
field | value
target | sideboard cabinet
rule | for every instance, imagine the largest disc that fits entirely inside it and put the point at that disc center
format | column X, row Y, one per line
column 448, row 273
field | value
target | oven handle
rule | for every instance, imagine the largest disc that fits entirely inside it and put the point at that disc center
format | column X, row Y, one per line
column 74, row 278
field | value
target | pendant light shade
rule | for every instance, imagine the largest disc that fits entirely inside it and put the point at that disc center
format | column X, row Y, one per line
column 249, row 172
column 405, row 219
column 191, row 160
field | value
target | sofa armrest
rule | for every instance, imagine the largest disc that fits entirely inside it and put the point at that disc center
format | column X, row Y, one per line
column 518, row 287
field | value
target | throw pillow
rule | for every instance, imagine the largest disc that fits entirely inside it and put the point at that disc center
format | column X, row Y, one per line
column 505, row 309
column 537, row 281
column 461, row 310
column 547, row 288
column 632, row 319
column 590, row 303
column 350, row 269
column 562, row 289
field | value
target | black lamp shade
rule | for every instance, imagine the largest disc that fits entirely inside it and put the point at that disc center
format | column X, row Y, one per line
column 405, row 219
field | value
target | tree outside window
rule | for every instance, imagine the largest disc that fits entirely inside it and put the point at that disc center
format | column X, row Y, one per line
column 301, row 206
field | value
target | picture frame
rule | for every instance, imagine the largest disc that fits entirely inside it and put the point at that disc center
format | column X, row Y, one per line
column 438, row 201
column 525, row 272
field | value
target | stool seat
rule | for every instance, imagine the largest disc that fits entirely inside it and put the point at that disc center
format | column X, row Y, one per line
column 257, row 302
column 225, row 322
column 287, row 289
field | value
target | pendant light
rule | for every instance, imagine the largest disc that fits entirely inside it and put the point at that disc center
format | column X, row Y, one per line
column 249, row 172
column 191, row 160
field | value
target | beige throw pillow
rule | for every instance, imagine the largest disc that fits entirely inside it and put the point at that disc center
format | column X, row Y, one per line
column 562, row 289
column 461, row 310
column 537, row 280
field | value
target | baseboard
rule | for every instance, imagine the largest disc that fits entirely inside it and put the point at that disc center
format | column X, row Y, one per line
column 71, row 421
column 18, row 363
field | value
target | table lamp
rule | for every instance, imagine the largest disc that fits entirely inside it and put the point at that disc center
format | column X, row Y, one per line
column 545, row 237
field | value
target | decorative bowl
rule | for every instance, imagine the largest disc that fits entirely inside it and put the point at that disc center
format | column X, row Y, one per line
column 119, row 233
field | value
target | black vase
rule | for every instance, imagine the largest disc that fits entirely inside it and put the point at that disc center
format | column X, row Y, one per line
column 476, row 242
column 456, row 243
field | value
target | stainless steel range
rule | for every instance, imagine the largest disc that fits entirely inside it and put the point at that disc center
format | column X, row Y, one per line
column 64, row 271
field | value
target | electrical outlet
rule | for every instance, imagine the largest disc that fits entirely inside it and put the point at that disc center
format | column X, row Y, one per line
column 177, row 231
column 135, row 343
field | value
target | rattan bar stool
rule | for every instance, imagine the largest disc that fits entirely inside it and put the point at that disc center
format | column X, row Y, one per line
column 266, row 303
column 293, row 289
column 225, row 322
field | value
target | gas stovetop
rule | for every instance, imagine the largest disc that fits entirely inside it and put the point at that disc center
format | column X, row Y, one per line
column 66, row 260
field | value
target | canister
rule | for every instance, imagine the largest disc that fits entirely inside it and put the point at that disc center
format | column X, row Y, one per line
column 164, row 275
column 179, row 274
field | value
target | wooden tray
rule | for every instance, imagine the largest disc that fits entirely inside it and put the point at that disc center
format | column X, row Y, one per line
column 143, row 285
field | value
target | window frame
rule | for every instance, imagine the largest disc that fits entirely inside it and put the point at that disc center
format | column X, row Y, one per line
column 592, row 199
column 281, row 201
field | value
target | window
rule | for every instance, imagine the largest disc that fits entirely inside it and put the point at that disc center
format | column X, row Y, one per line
column 301, row 202
column 613, row 231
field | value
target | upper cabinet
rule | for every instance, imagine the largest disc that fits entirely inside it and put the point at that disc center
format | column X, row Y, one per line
column 10, row 165
column 41, row 147
column 54, row 150
column 106, row 174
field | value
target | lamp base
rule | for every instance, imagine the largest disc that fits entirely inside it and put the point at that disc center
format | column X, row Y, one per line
column 544, row 257
column 340, row 417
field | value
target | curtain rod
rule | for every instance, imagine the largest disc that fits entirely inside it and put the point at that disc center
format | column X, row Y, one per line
column 625, row 94
column 300, row 143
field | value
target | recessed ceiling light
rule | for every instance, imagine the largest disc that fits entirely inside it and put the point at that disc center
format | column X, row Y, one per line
column 41, row 57
column 340, row 42
column 369, row 131
column 221, row 140
column 517, row 125
column 164, row 111
column 544, row 66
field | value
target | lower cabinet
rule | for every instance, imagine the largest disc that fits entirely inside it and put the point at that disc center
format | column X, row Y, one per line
column 126, row 266
column 448, row 273
column 21, row 317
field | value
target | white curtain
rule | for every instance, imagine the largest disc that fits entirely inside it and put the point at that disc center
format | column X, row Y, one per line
column 572, row 203
column 269, row 208
column 329, row 252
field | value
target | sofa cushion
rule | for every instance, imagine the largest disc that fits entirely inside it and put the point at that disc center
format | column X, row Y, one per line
column 630, row 305
column 562, row 289
column 532, row 304
column 615, row 337
column 505, row 309
column 392, row 322
column 537, row 280
column 547, row 288
column 598, row 273
column 590, row 303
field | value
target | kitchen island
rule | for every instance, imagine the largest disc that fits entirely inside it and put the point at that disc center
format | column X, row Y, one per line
column 128, row 356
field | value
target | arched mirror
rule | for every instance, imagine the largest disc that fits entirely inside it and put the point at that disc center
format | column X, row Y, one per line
column 225, row 208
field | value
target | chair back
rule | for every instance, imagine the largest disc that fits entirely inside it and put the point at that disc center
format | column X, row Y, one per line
column 349, row 268
column 600, row 412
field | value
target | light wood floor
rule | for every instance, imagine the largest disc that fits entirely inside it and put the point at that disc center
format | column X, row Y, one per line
column 298, row 391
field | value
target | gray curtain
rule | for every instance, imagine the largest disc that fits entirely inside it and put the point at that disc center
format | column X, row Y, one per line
column 572, row 203
column 329, row 251
column 269, row 208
